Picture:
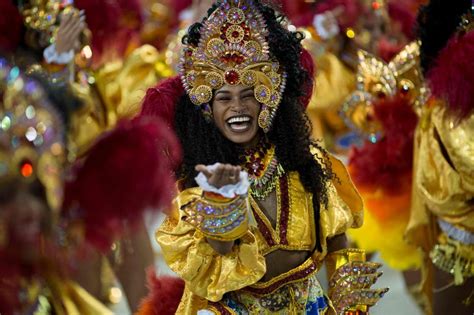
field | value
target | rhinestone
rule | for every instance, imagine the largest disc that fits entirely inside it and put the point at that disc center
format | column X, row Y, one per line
column 232, row 77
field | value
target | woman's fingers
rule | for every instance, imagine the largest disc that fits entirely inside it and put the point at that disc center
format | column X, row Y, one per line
column 203, row 169
column 224, row 174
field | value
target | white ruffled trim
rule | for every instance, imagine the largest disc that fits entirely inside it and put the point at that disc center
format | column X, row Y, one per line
column 205, row 312
column 228, row 191
column 51, row 55
column 319, row 21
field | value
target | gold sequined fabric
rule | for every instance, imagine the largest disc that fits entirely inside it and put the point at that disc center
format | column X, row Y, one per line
column 443, row 186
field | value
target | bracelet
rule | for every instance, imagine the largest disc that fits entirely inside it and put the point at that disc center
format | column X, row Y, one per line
column 219, row 218
column 351, row 280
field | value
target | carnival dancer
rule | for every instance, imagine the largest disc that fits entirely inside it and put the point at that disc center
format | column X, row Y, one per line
column 33, row 261
column 441, row 221
column 261, row 205
column 50, row 214
column 109, row 74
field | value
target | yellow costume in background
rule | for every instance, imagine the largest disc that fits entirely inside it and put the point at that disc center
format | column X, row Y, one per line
column 114, row 92
column 211, row 277
column 443, row 191
column 387, row 210
column 65, row 297
column 333, row 83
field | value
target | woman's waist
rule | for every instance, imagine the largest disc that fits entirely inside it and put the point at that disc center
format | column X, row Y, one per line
column 280, row 261
column 301, row 272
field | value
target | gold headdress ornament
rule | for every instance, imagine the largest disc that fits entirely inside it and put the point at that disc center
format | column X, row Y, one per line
column 41, row 15
column 233, row 50
column 31, row 135
column 377, row 79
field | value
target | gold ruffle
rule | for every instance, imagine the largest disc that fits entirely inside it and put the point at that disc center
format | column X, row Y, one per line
column 207, row 274
column 123, row 83
column 334, row 81
column 116, row 93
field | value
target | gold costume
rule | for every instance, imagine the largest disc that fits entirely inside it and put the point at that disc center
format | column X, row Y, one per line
column 211, row 277
column 443, row 191
column 65, row 297
column 334, row 81
column 114, row 92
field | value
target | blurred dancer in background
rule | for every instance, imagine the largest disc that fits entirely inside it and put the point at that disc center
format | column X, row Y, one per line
column 441, row 222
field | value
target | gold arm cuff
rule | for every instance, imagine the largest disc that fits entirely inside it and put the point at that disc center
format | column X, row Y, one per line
column 339, row 258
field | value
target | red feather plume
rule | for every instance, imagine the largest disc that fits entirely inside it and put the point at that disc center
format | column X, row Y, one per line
column 114, row 24
column 164, row 296
column 400, row 12
column 307, row 63
column 127, row 172
column 452, row 77
column 161, row 100
column 386, row 163
column 11, row 275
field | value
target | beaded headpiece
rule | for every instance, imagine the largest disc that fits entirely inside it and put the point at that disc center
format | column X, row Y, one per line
column 377, row 80
column 41, row 15
column 233, row 50
column 31, row 135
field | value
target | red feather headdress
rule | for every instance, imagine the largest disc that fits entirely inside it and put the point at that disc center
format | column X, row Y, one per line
column 452, row 77
column 127, row 172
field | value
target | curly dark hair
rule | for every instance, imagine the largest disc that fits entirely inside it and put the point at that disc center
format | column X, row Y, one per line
column 203, row 143
column 437, row 21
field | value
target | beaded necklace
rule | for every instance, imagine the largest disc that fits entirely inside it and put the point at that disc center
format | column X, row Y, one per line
column 263, row 168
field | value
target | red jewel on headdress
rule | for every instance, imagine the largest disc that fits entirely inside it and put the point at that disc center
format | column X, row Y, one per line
column 232, row 77
column 26, row 169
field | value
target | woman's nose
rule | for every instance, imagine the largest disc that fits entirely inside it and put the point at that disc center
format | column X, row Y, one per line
column 238, row 106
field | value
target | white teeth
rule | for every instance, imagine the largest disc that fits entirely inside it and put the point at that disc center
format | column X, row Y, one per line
column 239, row 127
column 238, row 119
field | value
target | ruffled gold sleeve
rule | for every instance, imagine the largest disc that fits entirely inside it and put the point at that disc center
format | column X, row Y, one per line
column 207, row 274
column 334, row 81
column 345, row 207
column 445, row 173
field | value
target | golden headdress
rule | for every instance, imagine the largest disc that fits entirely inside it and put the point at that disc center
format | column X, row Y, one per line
column 31, row 135
column 41, row 15
column 41, row 19
column 233, row 50
column 377, row 80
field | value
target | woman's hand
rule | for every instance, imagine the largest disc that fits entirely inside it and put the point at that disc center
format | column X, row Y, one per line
column 71, row 26
column 224, row 174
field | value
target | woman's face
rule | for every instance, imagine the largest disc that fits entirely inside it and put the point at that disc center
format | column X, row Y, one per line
column 24, row 215
column 235, row 111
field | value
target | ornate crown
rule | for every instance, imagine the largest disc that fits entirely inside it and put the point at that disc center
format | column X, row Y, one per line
column 233, row 50
column 31, row 135
column 377, row 79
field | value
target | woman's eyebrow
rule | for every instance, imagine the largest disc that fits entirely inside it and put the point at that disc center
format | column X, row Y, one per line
column 246, row 90
column 222, row 92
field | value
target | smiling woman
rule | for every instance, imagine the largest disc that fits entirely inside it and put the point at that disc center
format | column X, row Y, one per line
column 235, row 112
column 259, row 209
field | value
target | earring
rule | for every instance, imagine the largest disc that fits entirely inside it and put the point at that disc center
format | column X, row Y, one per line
column 207, row 112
